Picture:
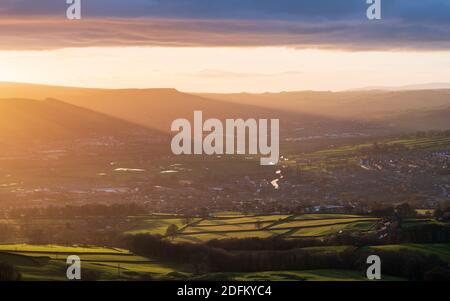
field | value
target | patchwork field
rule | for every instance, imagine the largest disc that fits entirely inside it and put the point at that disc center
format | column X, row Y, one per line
column 49, row 263
column 410, row 143
column 245, row 226
column 155, row 225
column 342, row 156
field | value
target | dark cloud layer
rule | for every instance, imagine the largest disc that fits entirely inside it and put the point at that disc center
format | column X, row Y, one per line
column 406, row 24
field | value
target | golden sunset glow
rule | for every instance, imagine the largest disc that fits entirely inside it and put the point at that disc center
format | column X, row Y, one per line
column 228, row 141
column 223, row 69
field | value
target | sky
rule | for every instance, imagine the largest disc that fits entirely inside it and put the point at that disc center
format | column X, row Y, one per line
column 225, row 45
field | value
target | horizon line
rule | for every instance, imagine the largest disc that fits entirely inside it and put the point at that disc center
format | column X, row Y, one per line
column 360, row 89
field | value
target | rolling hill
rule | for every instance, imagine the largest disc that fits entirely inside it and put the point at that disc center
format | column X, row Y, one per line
column 153, row 108
column 157, row 108
column 49, row 120
column 306, row 113
column 381, row 107
column 428, row 86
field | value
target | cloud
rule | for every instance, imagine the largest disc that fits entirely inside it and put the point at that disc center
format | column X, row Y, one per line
column 53, row 33
column 201, row 9
column 303, row 10
column 334, row 24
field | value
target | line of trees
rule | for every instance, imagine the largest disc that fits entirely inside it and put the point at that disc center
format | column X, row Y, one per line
column 205, row 258
column 69, row 211
column 8, row 272
column 429, row 233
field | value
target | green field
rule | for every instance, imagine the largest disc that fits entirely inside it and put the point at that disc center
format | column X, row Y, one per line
column 319, row 222
column 199, row 238
column 440, row 250
column 59, row 249
column 261, row 226
column 155, row 225
column 274, row 225
column 241, row 220
column 341, row 156
column 49, row 262
column 330, row 229
column 232, row 225
column 410, row 143
column 313, row 275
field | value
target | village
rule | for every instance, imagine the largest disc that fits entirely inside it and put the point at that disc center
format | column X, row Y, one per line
column 371, row 177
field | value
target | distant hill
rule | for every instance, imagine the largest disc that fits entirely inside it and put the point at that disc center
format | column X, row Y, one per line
column 428, row 86
column 306, row 113
column 49, row 120
column 434, row 119
column 382, row 107
column 157, row 108
column 153, row 108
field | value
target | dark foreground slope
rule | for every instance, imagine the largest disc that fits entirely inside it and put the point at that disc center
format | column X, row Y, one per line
column 49, row 120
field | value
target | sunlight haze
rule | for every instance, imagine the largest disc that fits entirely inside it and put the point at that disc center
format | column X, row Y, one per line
column 223, row 69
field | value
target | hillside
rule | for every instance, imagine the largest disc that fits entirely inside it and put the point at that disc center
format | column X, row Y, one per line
column 157, row 108
column 315, row 113
column 46, row 120
column 382, row 107
column 153, row 108
column 428, row 86
column 437, row 118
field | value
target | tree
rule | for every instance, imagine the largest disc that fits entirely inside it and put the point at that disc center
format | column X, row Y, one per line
column 186, row 220
column 438, row 274
column 258, row 225
column 90, row 275
column 405, row 210
column 438, row 213
column 9, row 272
column 171, row 231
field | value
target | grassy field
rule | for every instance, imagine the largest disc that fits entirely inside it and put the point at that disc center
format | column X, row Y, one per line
column 155, row 225
column 261, row 226
column 342, row 156
column 425, row 212
column 330, row 229
column 410, row 143
column 309, row 275
column 49, row 262
column 440, row 250
column 42, row 263
column 319, row 222
column 312, row 275
column 231, row 225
